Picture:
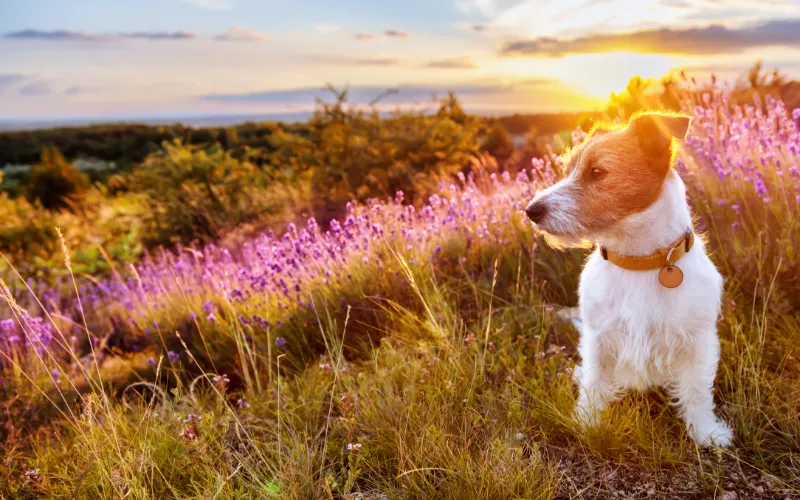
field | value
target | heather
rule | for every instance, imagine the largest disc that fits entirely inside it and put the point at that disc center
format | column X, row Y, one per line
column 405, row 349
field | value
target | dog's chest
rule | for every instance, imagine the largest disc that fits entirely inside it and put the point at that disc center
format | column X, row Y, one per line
column 635, row 305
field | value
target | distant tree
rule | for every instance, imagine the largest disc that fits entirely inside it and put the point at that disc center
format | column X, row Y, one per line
column 498, row 142
column 55, row 182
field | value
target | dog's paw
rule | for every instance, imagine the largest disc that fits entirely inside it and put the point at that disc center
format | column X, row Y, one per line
column 716, row 433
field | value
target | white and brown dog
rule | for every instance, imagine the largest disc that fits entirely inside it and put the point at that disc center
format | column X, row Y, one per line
column 649, row 294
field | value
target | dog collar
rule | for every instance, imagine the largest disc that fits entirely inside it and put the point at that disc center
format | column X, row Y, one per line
column 670, row 276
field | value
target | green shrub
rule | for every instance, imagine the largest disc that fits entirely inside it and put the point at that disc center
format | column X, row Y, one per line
column 55, row 182
column 195, row 194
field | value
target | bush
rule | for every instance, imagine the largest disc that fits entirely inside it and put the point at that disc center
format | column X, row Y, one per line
column 55, row 182
column 195, row 194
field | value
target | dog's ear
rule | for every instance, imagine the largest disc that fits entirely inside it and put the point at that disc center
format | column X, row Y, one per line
column 655, row 131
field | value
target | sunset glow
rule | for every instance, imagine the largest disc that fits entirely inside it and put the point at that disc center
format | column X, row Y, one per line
column 97, row 58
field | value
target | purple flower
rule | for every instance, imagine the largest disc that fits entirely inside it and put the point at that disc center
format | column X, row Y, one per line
column 280, row 341
column 55, row 373
column 211, row 317
column 208, row 307
column 173, row 356
column 735, row 225
column 151, row 360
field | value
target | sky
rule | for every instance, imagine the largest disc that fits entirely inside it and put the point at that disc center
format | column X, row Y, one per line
column 119, row 59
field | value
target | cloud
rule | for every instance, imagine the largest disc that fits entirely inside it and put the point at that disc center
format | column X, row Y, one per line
column 36, row 89
column 396, row 34
column 714, row 39
column 403, row 94
column 75, row 90
column 235, row 34
column 81, row 36
column 56, row 36
column 211, row 4
column 159, row 35
column 458, row 63
column 364, row 36
column 343, row 60
column 9, row 79
column 479, row 27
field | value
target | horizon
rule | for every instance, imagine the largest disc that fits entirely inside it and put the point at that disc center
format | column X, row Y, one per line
column 152, row 60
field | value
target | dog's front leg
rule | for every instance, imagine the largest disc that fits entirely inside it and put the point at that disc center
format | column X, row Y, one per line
column 595, row 378
column 692, row 390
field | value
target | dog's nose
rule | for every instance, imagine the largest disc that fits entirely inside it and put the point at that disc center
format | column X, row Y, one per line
column 535, row 211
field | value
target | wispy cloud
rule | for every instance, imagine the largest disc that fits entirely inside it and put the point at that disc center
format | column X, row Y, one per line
column 396, row 34
column 352, row 61
column 36, row 89
column 75, row 90
column 159, row 35
column 365, row 36
column 715, row 39
column 9, row 79
column 81, row 36
column 57, row 36
column 457, row 63
column 402, row 94
column 235, row 34
column 212, row 4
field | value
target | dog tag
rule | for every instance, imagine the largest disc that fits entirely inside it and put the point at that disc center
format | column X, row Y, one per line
column 670, row 276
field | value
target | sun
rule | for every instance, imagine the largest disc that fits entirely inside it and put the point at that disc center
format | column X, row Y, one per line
column 598, row 75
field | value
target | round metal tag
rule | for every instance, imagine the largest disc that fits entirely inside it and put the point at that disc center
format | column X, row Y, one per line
column 670, row 276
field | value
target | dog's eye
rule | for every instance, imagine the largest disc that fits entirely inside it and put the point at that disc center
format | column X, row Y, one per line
column 597, row 172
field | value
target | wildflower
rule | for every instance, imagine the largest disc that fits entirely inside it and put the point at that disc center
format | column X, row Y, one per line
column 189, row 434
column 223, row 379
column 151, row 360
column 208, row 307
column 242, row 403
column 280, row 341
column 354, row 447
column 212, row 318
column 173, row 356
column 192, row 418
column 55, row 373
column 7, row 326
column 33, row 475
column 735, row 225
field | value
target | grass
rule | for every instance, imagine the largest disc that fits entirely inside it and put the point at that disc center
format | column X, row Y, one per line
column 466, row 394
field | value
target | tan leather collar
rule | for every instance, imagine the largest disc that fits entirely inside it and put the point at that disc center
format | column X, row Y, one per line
column 657, row 260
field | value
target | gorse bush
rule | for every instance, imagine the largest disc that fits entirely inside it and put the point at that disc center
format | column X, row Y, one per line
column 54, row 182
column 195, row 194
column 355, row 154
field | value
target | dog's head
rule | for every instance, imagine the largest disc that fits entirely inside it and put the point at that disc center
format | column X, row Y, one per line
column 613, row 174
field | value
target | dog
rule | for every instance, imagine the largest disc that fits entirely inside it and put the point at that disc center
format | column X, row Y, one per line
column 649, row 296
